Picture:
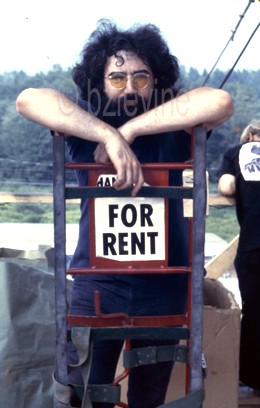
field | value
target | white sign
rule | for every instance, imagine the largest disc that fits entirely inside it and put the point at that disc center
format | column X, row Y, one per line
column 130, row 229
column 187, row 179
column 249, row 161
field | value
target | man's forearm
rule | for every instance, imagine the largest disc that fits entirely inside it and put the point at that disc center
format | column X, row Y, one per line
column 203, row 106
column 56, row 111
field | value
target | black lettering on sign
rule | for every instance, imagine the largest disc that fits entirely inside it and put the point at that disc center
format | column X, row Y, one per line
column 146, row 212
column 112, row 214
column 130, row 219
column 129, row 215
column 152, row 236
column 106, row 181
column 123, row 242
column 109, row 241
column 138, row 243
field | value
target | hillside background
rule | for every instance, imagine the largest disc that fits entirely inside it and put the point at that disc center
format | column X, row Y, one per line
column 26, row 148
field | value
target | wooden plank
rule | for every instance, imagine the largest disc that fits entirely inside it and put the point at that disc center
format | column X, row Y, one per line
column 247, row 398
column 11, row 198
column 15, row 198
column 6, row 198
column 220, row 263
column 221, row 200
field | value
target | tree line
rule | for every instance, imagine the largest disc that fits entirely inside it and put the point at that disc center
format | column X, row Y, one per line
column 26, row 148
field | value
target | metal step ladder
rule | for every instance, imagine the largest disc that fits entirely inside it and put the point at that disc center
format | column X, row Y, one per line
column 188, row 327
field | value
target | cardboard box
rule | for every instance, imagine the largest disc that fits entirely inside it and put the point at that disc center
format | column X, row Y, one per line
column 221, row 336
column 27, row 337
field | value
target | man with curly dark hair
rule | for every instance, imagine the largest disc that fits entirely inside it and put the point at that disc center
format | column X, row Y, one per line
column 130, row 109
column 143, row 41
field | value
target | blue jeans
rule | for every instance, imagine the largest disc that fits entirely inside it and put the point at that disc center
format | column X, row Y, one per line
column 136, row 296
column 247, row 266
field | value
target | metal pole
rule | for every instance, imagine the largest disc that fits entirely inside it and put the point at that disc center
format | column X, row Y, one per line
column 198, row 241
column 61, row 374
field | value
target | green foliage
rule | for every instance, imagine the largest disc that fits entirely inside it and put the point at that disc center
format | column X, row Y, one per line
column 222, row 221
column 244, row 87
column 35, row 213
column 26, row 148
column 30, row 213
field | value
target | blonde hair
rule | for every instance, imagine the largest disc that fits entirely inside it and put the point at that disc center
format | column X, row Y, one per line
column 253, row 128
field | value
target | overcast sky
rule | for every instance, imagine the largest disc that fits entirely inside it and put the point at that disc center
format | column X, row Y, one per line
column 36, row 34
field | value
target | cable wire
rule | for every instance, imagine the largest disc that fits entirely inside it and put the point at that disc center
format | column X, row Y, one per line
column 231, row 39
column 240, row 55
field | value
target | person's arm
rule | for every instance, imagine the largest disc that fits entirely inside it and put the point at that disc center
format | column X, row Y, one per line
column 207, row 107
column 54, row 110
column 227, row 176
column 204, row 106
column 227, row 185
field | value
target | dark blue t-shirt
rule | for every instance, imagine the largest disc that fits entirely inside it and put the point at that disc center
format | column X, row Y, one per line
column 167, row 147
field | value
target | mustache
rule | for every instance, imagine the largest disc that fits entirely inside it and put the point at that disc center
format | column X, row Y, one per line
column 119, row 110
column 140, row 103
column 130, row 97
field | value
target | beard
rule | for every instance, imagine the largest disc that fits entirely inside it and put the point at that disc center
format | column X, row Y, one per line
column 116, row 112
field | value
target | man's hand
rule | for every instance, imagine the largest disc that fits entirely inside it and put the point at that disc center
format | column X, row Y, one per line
column 128, row 168
column 100, row 154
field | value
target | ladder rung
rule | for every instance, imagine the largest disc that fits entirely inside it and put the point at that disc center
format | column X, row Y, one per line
column 132, row 326
column 97, row 192
column 129, row 270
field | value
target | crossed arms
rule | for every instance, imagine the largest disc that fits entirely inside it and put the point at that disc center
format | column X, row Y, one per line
column 203, row 106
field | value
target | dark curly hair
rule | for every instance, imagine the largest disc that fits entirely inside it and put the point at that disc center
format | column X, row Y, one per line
column 143, row 40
